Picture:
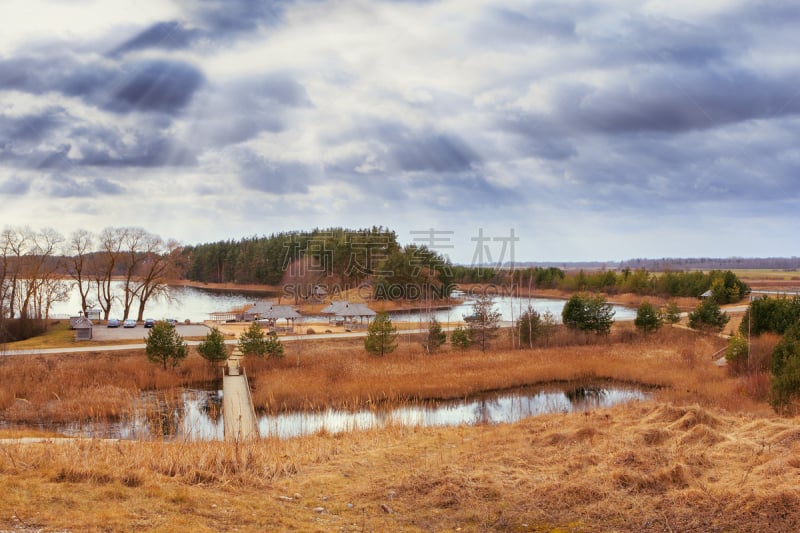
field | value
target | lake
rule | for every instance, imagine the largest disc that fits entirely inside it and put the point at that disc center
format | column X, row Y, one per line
column 196, row 304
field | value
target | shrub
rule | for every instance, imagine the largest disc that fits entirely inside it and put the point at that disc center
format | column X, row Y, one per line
column 648, row 318
column 588, row 313
column 785, row 388
column 435, row 337
column 253, row 342
column 671, row 313
column 212, row 347
column 460, row 338
column 707, row 315
column 381, row 336
column 164, row 345
column 737, row 355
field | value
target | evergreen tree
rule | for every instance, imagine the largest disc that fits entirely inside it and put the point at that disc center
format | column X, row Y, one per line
column 164, row 345
column 736, row 354
column 252, row 342
column 435, row 338
column 588, row 313
column 647, row 318
column 785, row 388
column 460, row 338
column 273, row 346
column 671, row 313
column 529, row 327
column 484, row 322
column 381, row 336
column 708, row 315
column 212, row 347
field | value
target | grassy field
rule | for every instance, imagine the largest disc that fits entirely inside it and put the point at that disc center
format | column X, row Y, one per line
column 706, row 454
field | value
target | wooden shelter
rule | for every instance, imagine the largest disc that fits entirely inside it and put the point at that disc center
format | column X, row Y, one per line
column 83, row 328
column 273, row 313
column 349, row 314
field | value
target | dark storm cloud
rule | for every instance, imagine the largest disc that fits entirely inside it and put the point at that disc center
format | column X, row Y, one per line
column 61, row 186
column 234, row 112
column 165, row 86
column 15, row 186
column 432, row 152
column 413, row 150
column 169, row 35
column 680, row 101
column 275, row 177
column 145, row 151
column 661, row 40
column 225, row 17
column 156, row 85
column 30, row 128
column 502, row 26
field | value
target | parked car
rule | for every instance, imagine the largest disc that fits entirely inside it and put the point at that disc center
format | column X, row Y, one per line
column 149, row 322
column 171, row 321
column 113, row 322
column 129, row 323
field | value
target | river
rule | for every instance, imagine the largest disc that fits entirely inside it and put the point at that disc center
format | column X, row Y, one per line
column 197, row 415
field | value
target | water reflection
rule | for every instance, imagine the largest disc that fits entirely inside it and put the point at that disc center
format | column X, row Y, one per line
column 197, row 416
column 195, row 304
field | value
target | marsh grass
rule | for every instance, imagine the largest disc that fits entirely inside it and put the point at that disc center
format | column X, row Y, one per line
column 645, row 466
column 705, row 454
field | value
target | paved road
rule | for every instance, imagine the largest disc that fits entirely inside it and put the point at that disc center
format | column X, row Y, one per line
column 199, row 330
column 102, row 333
column 141, row 346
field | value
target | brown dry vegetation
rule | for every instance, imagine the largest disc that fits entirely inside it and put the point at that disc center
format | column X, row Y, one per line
column 99, row 386
column 706, row 454
column 642, row 467
column 342, row 375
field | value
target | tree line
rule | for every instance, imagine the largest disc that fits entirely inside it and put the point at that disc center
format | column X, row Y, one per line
column 779, row 315
column 725, row 286
column 39, row 268
column 330, row 257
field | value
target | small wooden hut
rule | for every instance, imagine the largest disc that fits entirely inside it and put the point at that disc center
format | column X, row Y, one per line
column 83, row 328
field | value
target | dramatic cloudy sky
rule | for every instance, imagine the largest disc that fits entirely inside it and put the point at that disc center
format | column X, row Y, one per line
column 605, row 129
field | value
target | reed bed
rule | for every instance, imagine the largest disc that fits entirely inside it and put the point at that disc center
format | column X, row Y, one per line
column 648, row 466
column 706, row 454
column 340, row 375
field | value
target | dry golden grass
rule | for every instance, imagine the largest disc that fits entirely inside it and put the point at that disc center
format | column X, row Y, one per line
column 341, row 374
column 642, row 467
column 705, row 455
column 92, row 386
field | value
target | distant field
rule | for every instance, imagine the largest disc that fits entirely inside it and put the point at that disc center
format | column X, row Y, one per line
column 768, row 274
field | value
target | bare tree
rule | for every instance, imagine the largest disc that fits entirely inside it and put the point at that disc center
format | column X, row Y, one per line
column 156, row 269
column 105, row 265
column 33, row 280
column 15, row 245
column 77, row 253
column 5, row 275
column 132, row 254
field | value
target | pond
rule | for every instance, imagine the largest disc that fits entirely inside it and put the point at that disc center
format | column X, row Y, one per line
column 197, row 416
column 195, row 304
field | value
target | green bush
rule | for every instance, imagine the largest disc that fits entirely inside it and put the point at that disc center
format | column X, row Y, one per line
column 785, row 388
column 708, row 316
column 381, row 336
column 648, row 319
column 588, row 313
column 736, row 354
column 460, row 338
